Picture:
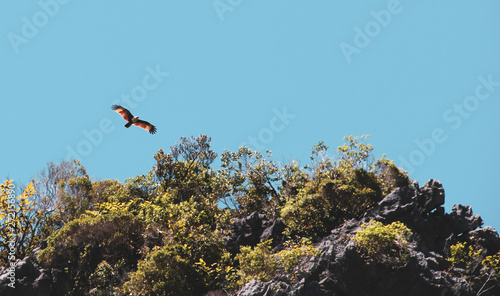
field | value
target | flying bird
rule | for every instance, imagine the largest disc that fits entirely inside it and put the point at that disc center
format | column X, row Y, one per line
column 133, row 119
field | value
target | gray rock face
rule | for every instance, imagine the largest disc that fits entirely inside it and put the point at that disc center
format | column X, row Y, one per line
column 341, row 270
column 33, row 279
column 253, row 229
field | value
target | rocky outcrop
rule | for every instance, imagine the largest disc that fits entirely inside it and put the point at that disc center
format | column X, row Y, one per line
column 341, row 270
column 253, row 229
column 33, row 279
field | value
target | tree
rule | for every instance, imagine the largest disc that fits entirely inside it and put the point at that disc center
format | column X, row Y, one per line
column 336, row 190
column 84, row 243
column 63, row 190
column 186, row 170
column 165, row 231
column 253, row 179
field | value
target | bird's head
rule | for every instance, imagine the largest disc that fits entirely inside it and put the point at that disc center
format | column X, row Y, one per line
column 135, row 118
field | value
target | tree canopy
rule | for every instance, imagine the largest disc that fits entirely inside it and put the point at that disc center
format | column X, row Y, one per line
column 164, row 232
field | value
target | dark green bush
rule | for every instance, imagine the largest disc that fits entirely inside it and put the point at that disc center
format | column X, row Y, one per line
column 85, row 242
column 337, row 190
column 323, row 204
column 105, row 279
column 167, row 272
column 164, row 232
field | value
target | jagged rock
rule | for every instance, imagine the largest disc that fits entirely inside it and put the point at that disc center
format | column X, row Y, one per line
column 253, row 229
column 306, row 288
column 258, row 288
column 409, row 203
column 274, row 232
column 253, row 288
column 487, row 238
column 430, row 197
column 25, row 274
column 32, row 279
column 463, row 219
column 341, row 270
column 396, row 204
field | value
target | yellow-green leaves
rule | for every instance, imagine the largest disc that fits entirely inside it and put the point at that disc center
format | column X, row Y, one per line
column 463, row 253
column 355, row 153
column 260, row 263
column 384, row 243
column 492, row 263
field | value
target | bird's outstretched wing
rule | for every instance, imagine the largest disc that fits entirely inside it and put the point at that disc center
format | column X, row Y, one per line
column 123, row 112
column 146, row 125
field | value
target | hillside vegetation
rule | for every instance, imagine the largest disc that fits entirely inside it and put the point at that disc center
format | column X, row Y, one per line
column 175, row 230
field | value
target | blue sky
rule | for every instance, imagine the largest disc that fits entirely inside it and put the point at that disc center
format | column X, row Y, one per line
column 422, row 78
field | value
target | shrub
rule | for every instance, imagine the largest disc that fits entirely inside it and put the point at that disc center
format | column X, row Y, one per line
column 186, row 170
column 104, row 280
column 384, row 243
column 166, row 271
column 390, row 175
column 463, row 254
column 336, row 190
column 323, row 204
column 85, row 242
column 290, row 257
column 492, row 263
column 482, row 271
column 256, row 263
column 259, row 263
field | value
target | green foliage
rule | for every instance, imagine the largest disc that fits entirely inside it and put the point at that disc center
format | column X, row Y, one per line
column 85, row 242
column 163, row 232
column 105, row 279
column 260, row 263
column 252, row 178
column 336, row 190
column 479, row 268
column 384, row 243
column 108, row 190
column 390, row 175
column 332, row 195
column 220, row 273
column 192, row 224
column 322, row 205
column 141, row 187
column 293, row 179
column 186, row 170
column 256, row 263
column 463, row 254
column 166, row 271
column 492, row 263
column 183, row 220
column 65, row 191
column 355, row 153
column 291, row 256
